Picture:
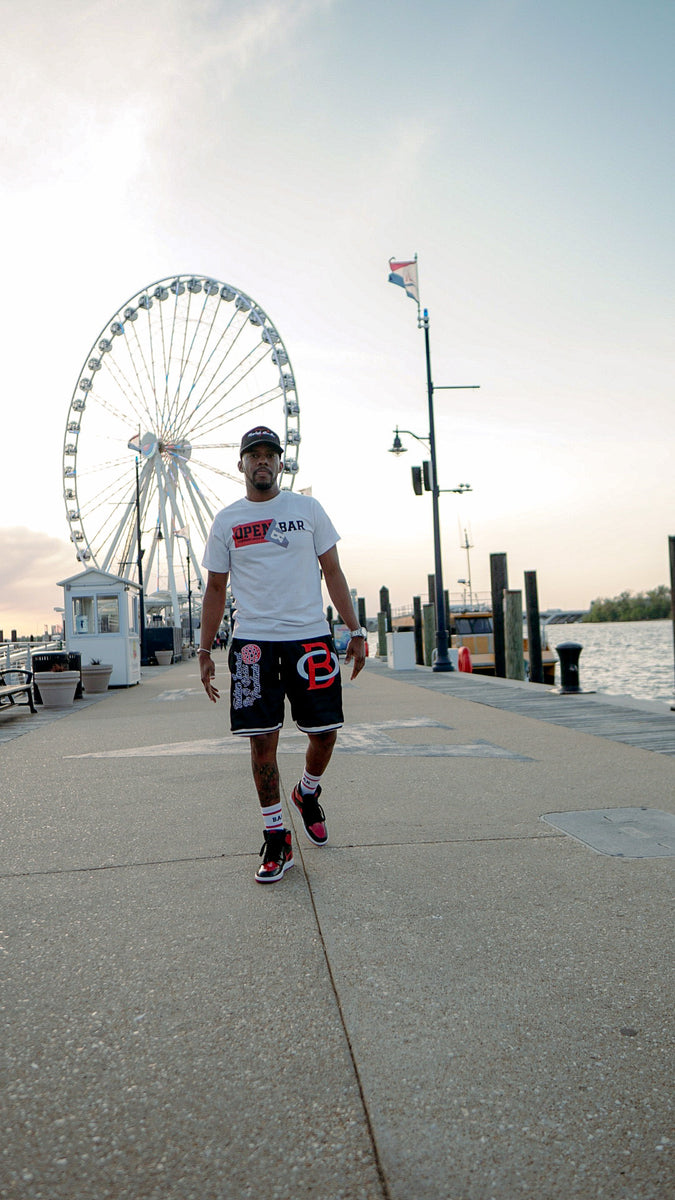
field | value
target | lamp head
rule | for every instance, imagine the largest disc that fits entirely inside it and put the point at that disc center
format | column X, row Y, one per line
column 398, row 447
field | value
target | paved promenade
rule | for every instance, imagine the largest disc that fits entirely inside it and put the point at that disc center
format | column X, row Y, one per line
column 454, row 1000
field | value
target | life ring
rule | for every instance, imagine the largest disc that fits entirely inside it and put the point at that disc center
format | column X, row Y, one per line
column 464, row 660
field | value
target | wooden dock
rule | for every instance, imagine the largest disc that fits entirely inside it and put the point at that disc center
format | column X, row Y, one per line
column 619, row 718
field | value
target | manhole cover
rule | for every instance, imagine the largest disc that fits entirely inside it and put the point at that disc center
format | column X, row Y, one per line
column 622, row 832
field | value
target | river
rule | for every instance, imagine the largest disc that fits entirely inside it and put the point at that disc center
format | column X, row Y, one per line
column 633, row 658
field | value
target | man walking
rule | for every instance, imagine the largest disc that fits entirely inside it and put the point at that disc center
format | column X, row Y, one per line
column 273, row 545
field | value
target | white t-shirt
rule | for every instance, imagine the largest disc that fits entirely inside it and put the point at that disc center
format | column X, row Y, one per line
column 270, row 549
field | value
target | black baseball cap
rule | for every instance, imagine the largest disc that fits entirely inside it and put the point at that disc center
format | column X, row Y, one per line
column 261, row 435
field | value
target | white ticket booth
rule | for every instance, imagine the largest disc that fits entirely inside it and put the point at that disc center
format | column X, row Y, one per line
column 101, row 616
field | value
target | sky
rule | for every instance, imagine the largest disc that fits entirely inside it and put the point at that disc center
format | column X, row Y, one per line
column 521, row 148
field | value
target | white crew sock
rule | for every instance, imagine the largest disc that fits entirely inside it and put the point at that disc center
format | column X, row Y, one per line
column 309, row 783
column 273, row 817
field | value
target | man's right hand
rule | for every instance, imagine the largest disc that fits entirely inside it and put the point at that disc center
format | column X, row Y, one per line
column 207, row 669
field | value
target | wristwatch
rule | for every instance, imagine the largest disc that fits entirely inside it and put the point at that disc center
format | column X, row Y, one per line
column 360, row 632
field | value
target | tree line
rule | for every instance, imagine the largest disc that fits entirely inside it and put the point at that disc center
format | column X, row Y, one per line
column 645, row 606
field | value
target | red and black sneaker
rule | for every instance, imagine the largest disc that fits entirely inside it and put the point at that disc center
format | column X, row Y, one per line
column 277, row 855
column 313, row 816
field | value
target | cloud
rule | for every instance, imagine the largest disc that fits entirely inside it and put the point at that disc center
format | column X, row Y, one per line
column 32, row 563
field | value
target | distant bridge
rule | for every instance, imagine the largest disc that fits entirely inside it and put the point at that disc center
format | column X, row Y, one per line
column 570, row 616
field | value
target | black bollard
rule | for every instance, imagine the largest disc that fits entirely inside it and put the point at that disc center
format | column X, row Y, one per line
column 568, row 653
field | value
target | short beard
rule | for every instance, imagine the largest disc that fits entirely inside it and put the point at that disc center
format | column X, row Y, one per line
column 263, row 486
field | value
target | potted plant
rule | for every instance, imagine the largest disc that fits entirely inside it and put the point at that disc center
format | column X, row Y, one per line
column 96, row 676
column 164, row 657
column 57, row 686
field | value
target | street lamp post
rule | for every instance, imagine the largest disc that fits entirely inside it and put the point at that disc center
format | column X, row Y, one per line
column 442, row 661
column 404, row 274
column 189, row 593
column 141, row 595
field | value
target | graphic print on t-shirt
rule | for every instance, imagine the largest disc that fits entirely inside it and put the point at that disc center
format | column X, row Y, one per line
column 258, row 531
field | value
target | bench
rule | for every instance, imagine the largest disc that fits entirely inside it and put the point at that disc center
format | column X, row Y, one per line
column 15, row 682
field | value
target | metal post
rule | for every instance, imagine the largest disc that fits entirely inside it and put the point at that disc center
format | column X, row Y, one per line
column 141, row 598
column 442, row 662
column 189, row 592
column 671, row 558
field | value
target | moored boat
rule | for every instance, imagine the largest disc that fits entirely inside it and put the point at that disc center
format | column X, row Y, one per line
column 475, row 630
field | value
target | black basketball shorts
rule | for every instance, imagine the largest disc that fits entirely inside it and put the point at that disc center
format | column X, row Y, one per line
column 264, row 673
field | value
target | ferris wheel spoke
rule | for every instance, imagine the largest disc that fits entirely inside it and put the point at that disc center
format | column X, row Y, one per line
column 208, row 498
column 218, row 415
column 185, row 361
column 225, row 340
column 119, row 534
column 226, row 349
column 130, row 550
column 234, row 378
column 136, row 403
column 111, row 497
column 148, row 304
column 150, row 379
column 178, row 288
column 199, row 504
column 107, row 533
column 114, row 515
column 247, row 406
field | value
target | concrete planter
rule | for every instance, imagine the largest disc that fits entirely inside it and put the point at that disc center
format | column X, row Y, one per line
column 57, row 688
column 164, row 657
column 96, row 677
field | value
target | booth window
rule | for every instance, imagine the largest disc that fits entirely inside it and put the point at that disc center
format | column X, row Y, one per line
column 108, row 614
column 83, row 614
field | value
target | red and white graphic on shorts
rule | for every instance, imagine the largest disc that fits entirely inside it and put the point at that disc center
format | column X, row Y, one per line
column 318, row 664
column 246, row 676
column 251, row 653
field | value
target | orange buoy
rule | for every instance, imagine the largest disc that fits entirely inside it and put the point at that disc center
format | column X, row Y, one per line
column 464, row 659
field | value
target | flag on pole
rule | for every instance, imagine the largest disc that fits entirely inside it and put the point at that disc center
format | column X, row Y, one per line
column 405, row 275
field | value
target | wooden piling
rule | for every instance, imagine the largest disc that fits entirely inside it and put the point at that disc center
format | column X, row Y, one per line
column 513, row 635
column 500, row 581
column 385, row 606
column 382, row 635
column 533, row 628
column 419, row 635
column 429, row 626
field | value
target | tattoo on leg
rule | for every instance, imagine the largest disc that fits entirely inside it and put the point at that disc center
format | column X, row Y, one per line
column 266, row 779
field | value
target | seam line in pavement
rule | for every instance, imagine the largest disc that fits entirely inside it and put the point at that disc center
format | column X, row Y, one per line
column 203, row 858
column 364, row 1104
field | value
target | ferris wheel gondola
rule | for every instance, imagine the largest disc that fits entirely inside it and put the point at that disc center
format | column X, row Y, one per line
column 172, row 381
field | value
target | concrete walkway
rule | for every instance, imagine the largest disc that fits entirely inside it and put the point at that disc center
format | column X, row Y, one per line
column 454, row 1000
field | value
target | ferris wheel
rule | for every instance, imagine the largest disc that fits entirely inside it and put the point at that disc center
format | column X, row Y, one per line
column 171, row 383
